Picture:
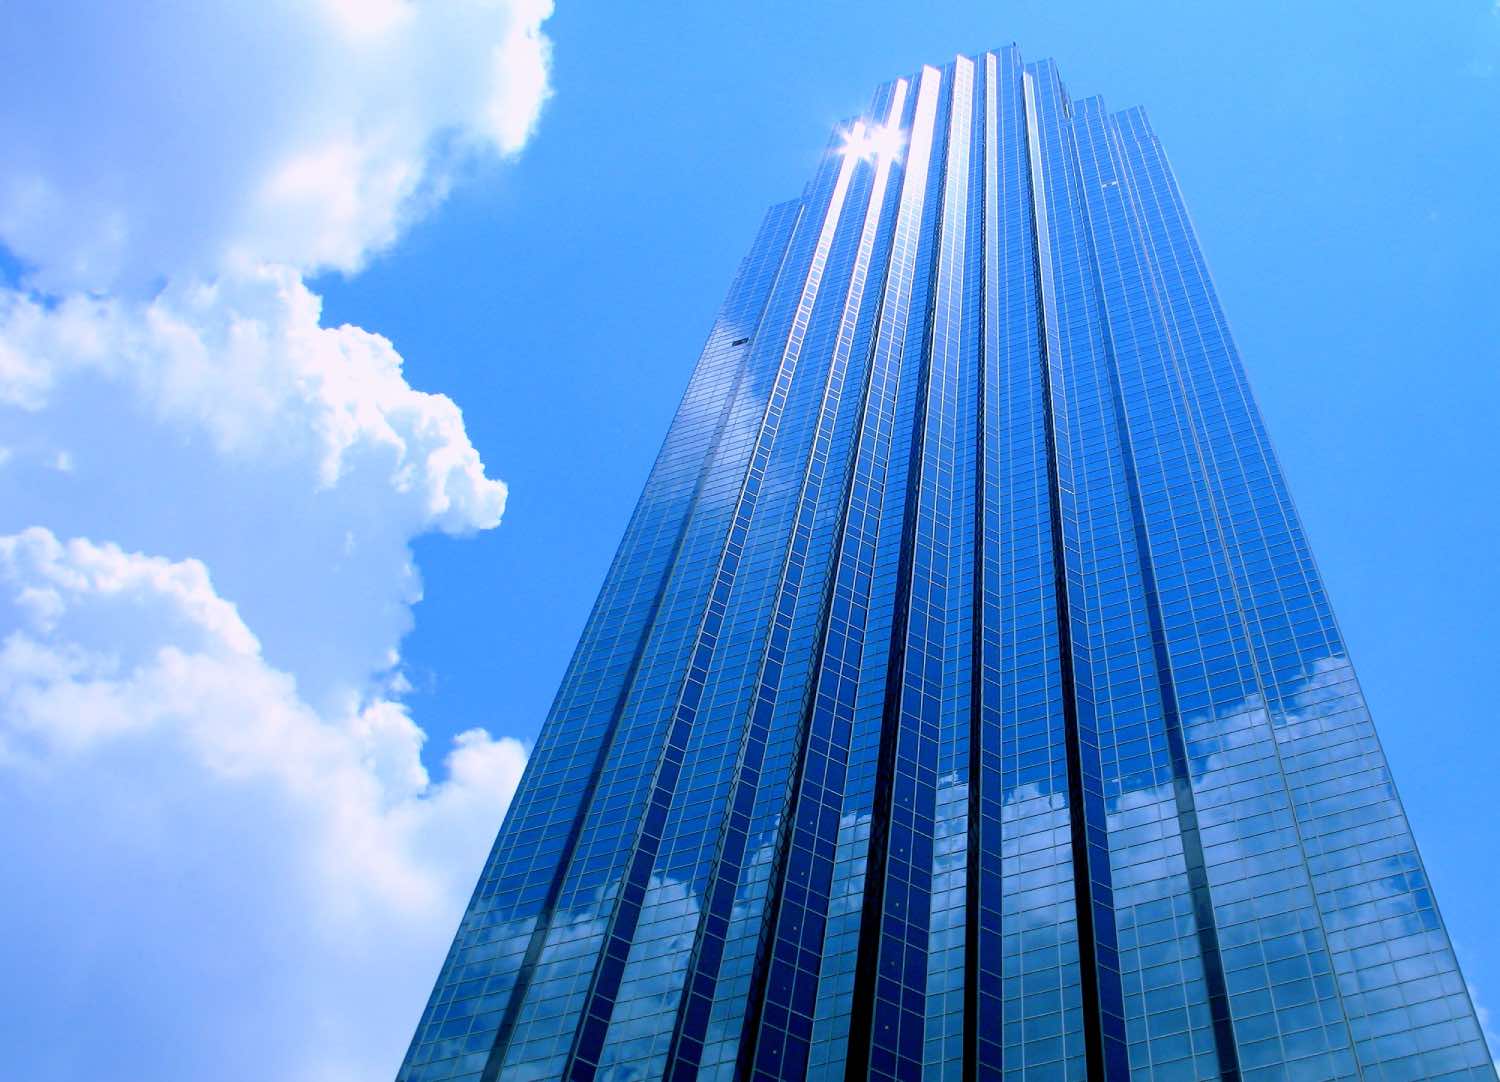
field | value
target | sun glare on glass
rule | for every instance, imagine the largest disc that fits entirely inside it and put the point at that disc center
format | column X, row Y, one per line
column 873, row 142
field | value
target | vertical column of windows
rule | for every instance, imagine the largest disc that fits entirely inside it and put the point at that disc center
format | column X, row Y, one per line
column 609, row 970
column 900, row 882
column 1177, row 1003
column 1067, row 338
column 982, row 1058
column 1406, row 1007
column 1287, row 1008
column 547, row 1018
column 478, row 979
column 799, row 586
column 877, row 710
column 1251, row 858
column 1019, row 959
column 1025, row 999
column 948, row 928
column 641, row 1022
column 760, row 875
column 777, row 1029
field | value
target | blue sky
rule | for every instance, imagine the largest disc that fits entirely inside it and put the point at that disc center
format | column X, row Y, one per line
column 221, row 491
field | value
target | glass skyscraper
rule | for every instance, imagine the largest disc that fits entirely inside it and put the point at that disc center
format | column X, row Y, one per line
column 963, row 700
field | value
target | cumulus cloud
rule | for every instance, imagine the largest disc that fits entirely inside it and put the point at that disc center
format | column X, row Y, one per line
column 183, row 138
column 223, row 421
column 246, row 363
column 201, row 836
column 233, row 861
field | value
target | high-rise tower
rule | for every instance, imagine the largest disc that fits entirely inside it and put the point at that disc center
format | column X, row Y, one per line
column 963, row 701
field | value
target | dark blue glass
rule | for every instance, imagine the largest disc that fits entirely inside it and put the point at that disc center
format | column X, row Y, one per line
column 963, row 700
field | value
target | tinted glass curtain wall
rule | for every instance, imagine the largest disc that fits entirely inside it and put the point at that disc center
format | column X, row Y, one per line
column 963, row 700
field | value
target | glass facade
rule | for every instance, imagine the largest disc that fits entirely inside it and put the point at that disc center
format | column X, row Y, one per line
column 963, row 701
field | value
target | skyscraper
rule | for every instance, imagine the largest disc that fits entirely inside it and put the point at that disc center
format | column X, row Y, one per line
column 962, row 701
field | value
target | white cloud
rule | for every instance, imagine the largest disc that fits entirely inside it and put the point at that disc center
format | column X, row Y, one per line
column 245, row 363
column 267, row 889
column 182, row 139
column 233, row 863
column 220, row 153
column 222, row 421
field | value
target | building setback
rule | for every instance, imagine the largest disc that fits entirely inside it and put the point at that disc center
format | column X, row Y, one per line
column 963, row 700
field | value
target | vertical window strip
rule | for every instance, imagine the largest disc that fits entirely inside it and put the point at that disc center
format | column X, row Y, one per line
column 1104, row 1048
column 542, row 922
column 599, row 1001
column 888, row 1017
column 713, row 926
column 776, row 1037
column 1104, row 202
